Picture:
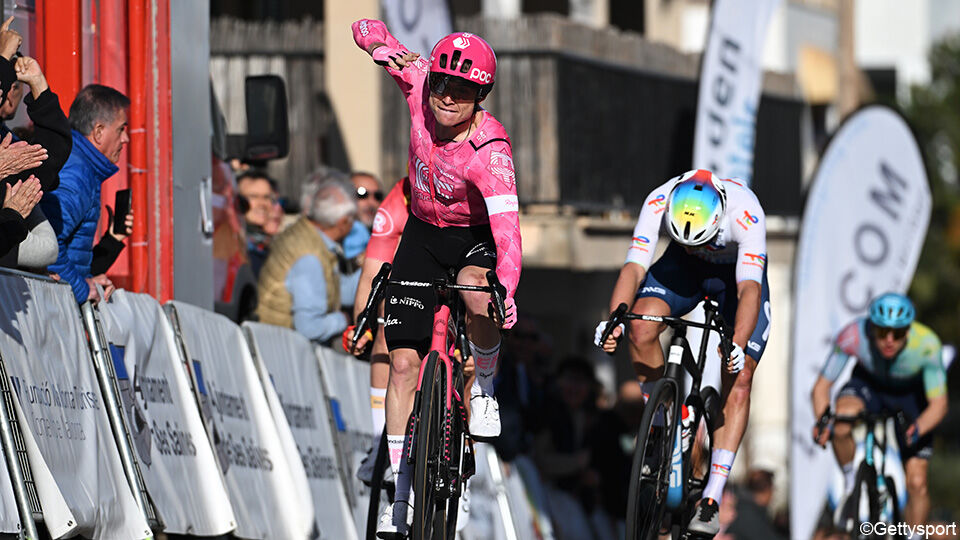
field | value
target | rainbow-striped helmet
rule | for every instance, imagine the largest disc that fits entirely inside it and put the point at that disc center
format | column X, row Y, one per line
column 695, row 207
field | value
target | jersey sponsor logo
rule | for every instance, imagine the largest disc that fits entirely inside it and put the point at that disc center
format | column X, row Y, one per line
column 659, row 204
column 407, row 301
column 390, row 321
column 501, row 166
column 461, row 42
column 500, row 204
column 755, row 259
column 382, row 223
column 654, row 290
column 481, row 136
column 363, row 29
column 422, row 182
column 480, row 75
column 641, row 243
column 747, row 220
column 753, row 345
column 444, row 189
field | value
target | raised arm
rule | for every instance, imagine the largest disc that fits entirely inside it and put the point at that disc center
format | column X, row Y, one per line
column 373, row 37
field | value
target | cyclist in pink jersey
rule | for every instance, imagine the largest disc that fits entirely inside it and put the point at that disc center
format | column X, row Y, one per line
column 463, row 218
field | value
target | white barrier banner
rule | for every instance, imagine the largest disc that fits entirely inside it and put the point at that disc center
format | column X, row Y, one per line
column 62, row 412
column 865, row 221
column 418, row 24
column 246, row 439
column 290, row 371
column 347, row 385
column 9, row 516
column 730, row 82
column 176, row 459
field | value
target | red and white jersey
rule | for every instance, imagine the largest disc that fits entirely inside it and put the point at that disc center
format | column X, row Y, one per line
column 456, row 184
column 389, row 222
column 742, row 239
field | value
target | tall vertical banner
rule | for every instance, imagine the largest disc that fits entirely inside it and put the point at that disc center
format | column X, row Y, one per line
column 863, row 227
column 730, row 82
column 418, row 24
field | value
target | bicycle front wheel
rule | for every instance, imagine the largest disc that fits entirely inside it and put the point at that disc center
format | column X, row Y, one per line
column 429, row 510
column 650, row 475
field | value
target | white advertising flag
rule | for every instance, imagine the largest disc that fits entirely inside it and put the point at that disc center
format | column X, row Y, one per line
column 864, row 224
column 730, row 82
column 418, row 24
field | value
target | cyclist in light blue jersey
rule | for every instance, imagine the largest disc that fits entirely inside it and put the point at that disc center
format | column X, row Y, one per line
column 898, row 368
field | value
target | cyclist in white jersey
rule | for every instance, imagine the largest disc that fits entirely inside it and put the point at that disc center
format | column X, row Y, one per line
column 718, row 249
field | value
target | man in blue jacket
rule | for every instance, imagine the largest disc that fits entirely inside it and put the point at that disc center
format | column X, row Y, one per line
column 98, row 117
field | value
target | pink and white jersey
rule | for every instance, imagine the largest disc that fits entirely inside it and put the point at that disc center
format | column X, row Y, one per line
column 742, row 239
column 456, row 184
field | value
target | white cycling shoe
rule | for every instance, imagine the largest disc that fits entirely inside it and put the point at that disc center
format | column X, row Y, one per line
column 484, row 416
column 463, row 509
column 393, row 525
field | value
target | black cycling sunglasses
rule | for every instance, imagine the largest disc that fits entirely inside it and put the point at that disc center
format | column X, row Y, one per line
column 457, row 88
column 883, row 331
column 363, row 193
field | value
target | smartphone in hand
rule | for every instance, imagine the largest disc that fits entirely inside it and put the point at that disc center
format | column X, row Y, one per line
column 121, row 207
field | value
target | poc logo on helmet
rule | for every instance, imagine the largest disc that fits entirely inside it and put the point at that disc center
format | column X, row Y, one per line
column 482, row 76
column 461, row 42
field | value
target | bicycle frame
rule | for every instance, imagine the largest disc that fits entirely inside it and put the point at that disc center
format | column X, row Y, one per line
column 873, row 423
column 679, row 361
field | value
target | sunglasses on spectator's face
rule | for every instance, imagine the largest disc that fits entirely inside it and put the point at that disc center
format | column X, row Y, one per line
column 363, row 193
column 882, row 332
column 459, row 89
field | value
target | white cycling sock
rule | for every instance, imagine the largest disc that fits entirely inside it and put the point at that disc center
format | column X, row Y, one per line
column 378, row 397
column 848, row 476
column 485, row 362
column 395, row 447
column 720, row 462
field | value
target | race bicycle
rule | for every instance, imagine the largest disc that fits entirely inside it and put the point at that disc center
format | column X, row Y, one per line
column 874, row 496
column 666, row 479
column 440, row 447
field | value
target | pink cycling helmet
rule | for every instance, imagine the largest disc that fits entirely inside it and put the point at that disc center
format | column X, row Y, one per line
column 467, row 56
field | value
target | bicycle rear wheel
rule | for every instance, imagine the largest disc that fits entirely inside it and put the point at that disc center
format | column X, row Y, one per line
column 650, row 475
column 429, row 509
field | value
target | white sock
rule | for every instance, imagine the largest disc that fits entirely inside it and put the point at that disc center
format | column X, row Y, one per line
column 378, row 397
column 404, row 477
column 395, row 447
column 485, row 362
column 720, row 462
column 848, row 476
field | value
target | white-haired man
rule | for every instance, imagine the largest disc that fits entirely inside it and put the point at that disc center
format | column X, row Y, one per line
column 301, row 285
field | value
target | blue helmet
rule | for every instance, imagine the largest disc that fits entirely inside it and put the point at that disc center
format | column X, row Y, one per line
column 892, row 310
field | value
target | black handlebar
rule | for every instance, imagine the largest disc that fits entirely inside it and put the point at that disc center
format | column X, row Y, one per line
column 378, row 289
column 498, row 295
column 717, row 324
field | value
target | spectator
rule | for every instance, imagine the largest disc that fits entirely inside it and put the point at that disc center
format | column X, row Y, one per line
column 260, row 193
column 564, row 449
column 369, row 196
column 752, row 516
column 302, row 285
column 18, row 201
column 98, row 116
column 44, row 158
